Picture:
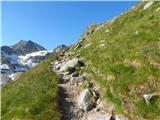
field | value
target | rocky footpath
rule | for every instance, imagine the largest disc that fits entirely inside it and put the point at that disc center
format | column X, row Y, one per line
column 79, row 97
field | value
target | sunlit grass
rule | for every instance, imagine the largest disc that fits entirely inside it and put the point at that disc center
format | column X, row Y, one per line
column 33, row 96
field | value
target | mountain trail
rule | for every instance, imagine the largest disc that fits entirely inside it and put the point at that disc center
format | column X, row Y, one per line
column 67, row 102
column 78, row 102
column 68, row 96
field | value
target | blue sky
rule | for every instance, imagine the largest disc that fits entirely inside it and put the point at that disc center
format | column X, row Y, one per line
column 53, row 23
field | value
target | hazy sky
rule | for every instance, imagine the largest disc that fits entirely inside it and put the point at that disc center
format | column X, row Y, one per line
column 53, row 23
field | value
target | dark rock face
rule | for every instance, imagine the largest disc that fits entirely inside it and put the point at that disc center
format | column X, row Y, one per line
column 5, row 60
column 7, row 50
column 24, row 47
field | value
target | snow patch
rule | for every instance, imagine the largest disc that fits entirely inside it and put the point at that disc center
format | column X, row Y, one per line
column 27, row 59
column 13, row 76
column 4, row 66
column 39, row 53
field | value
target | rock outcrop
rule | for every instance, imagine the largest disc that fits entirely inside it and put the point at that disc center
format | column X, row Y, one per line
column 86, row 100
column 69, row 65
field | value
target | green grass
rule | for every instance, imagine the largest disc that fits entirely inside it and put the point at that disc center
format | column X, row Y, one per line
column 33, row 96
column 132, row 58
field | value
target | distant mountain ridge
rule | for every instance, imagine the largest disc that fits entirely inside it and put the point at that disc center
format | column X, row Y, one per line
column 7, row 50
column 21, row 48
column 18, row 58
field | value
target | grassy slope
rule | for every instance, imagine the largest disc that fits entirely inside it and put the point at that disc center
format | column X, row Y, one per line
column 33, row 96
column 128, row 65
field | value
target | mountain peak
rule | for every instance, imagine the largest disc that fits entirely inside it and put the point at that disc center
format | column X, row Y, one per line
column 26, row 46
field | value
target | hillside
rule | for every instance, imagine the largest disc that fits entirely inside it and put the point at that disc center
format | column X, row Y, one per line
column 33, row 96
column 123, row 57
column 111, row 73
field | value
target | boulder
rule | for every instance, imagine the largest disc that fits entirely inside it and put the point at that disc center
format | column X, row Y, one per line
column 73, row 81
column 104, row 116
column 77, row 80
column 98, row 116
column 69, row 65
column 86, row 100
column 120, row 117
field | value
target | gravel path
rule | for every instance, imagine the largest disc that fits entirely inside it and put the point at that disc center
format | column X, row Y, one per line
column 67, row 102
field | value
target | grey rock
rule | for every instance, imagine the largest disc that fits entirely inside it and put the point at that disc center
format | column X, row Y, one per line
column 98, row 116
column 120, row 117
column 77, row 80
column 104, row 116
column 69, row 64
column 85, row 100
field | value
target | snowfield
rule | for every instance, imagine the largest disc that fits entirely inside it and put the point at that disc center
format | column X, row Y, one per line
column 4, row 66
column 28, row 58
column 18, row 64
